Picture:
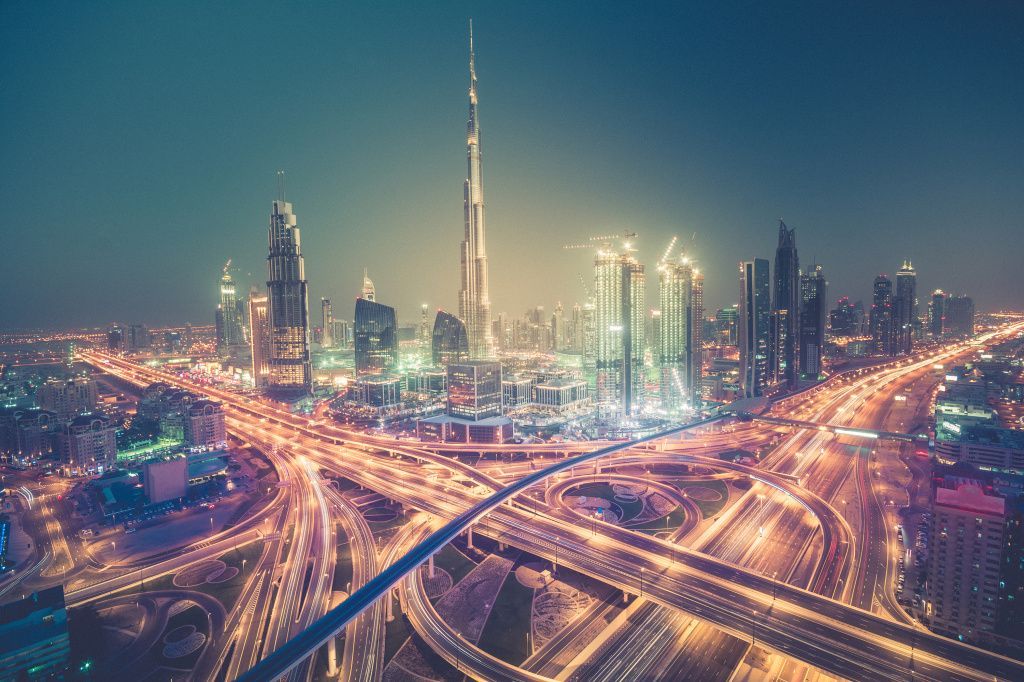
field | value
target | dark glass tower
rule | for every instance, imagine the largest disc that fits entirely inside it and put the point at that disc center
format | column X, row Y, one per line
column 881, row 317
column 812, row 322
column 905, row 309
column 288, row 307
column 937, row 314
column 375, row 336
column 753, row 322
column 785, row 324
column 449, row 342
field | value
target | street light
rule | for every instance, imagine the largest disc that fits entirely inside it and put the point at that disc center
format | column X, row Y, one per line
column 641, row 582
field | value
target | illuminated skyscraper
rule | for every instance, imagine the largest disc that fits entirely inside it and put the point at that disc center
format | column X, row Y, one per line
column 754, row 317
column 368, row 292
column 229, row 327
column 695, row 342
column 259, row 337
column 375, row 336
column 785, row 323
column 474, row 297
column 881, row 321
column 619, row 283
column 936, row 314
column 327, row 310
column 959, row 316
column 812, row 321
column 449, row 340
column 288, row 307
column 904, row 309
column 675, row 289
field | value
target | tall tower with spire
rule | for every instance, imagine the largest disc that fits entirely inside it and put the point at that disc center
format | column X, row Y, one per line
column 474, row 297
column 369, row 292
column 783, row 350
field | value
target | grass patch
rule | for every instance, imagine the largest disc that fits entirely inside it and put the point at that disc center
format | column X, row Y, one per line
column 709, row 509
column 227, row 592
column 343, row 563
column 504, row 634
column 395, row 634
column 625, row 510
column 455, row 562
column 671, row 521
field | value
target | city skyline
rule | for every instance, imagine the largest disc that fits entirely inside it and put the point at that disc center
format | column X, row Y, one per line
column 138, row 224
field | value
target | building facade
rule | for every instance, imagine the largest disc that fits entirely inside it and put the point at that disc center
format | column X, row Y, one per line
column 474, row 295
column 754, row 334
column 288, row 306
column 674, row 337
column 881, row 321
column 904, row 309
column 88, row 444
column 375, row 336
column 813, row 297
column 259, row 338
column 449, row 340
column 785, row 323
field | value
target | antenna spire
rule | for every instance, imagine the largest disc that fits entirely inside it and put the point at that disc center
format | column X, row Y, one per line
column 280, row 185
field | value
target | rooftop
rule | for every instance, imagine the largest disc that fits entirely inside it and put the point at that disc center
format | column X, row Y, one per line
column 969, row 497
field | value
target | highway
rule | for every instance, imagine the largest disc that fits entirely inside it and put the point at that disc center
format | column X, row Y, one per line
column 896, row 653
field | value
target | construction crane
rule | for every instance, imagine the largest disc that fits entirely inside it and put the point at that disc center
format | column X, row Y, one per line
column 605, row 240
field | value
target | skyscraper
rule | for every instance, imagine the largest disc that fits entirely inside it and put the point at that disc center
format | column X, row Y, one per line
column 450, row 342
column 375, row 337
column 754, row 317
column 259, row 337
column 288, row 306
column 695, row 343
column 619, row 283
column 881, row 320
column 474, row 298
column 959, row 316
column 904, row 309
column 785, row 323
column 936, row 314
column 812, row 321
column 369, row 292
column 229, row 328
column 327, row 310
column 675, row 287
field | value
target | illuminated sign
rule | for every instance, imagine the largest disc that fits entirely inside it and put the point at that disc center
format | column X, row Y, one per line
column 955, row 428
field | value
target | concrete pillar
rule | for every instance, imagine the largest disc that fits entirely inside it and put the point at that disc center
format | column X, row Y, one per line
column 625, row 597
column 469, row 537
column 430, row 567
column 332, row 657
column 390, row 607
column 501, row 546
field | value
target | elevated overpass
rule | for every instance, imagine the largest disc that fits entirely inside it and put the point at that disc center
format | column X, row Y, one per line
column 918, row 438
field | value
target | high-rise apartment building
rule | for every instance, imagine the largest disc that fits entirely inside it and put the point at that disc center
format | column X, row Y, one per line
column 474, row 389
column 673, row 354
column 755, row 315
column 259, row 337
column 204, row 424
column 375, row 336
column 785, row 323
column 965, row 557
column 881, row 321
column 619, row 284
column 474, row 296
column 937, row 314
column 449, row 343
column 288, row 308
column 88, row 444
column 68, row 398
column 904, row 309
column 327, row 315
column 813, row 292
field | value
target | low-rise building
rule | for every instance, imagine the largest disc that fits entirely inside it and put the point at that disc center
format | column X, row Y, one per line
column 165, row 478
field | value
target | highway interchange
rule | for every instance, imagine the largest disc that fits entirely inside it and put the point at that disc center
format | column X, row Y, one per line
column 827, row 599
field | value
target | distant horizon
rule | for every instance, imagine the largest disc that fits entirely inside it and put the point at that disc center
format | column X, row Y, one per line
column 142, row 146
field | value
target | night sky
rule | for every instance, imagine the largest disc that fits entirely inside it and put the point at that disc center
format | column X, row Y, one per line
column 140, row 143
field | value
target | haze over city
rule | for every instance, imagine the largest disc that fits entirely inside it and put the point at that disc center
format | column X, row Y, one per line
column 563, row 341
column 146, row 138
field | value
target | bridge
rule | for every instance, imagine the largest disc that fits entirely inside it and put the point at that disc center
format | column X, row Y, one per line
column 839, row 430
